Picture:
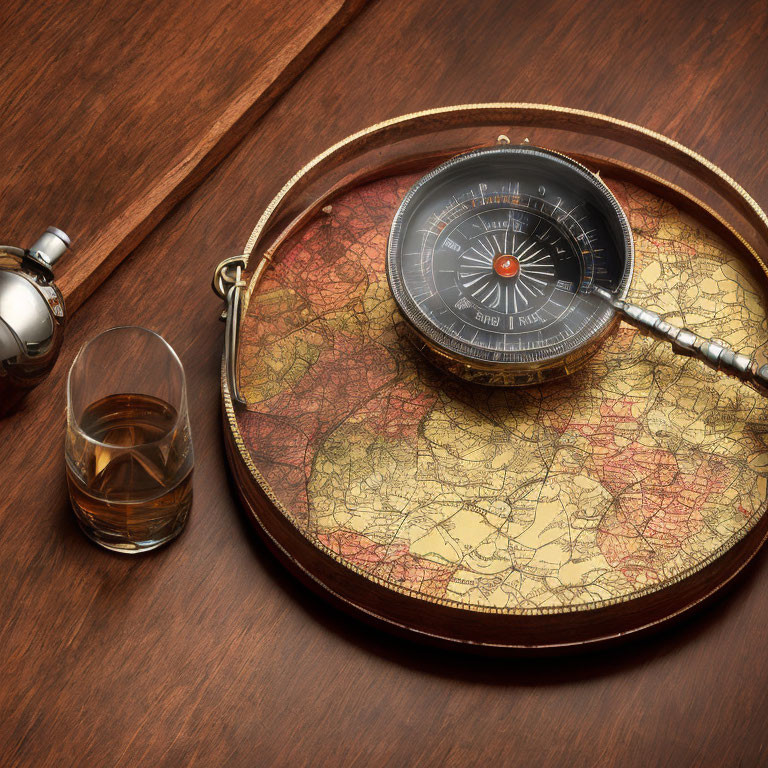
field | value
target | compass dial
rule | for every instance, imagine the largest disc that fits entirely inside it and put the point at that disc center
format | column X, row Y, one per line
column 494, row 255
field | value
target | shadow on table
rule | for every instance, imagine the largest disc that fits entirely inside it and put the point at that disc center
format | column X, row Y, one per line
column 524, row 670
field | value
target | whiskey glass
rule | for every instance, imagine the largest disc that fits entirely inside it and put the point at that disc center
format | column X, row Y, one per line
column 128, row 446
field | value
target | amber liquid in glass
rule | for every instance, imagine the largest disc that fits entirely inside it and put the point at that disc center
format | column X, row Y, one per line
column 131, row 482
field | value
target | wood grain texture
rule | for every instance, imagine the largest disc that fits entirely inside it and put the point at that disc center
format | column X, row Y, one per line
column 207, row 653
column 115, row 112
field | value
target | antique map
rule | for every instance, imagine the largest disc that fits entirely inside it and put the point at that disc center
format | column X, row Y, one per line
column 631, row 474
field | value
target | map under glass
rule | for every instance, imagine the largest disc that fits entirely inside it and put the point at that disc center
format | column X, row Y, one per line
column 631, row 474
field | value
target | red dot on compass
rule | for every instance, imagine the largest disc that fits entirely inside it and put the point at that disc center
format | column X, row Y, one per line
column 506, row 265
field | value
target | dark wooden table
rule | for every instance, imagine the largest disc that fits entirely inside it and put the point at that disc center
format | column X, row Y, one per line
column 206, row 652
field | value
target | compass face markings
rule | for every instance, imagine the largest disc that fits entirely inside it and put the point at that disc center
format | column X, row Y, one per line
column 495, row 255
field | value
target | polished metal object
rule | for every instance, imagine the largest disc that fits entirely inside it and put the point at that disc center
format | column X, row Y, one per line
column 229, row 288
column 502, row 341
column 32, row 315
column 713, row 353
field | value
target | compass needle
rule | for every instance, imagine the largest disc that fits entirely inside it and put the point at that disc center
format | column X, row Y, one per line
column 481, row 288
column 477, row 261
column 490, row 252
column 529, row 261
column 525, row 250
column 486, row 259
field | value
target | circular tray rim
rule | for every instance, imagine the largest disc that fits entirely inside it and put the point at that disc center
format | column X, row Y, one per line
column 716, row 571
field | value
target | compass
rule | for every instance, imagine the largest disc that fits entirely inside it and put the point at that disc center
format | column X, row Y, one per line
column 511, row 264
column 494, row 259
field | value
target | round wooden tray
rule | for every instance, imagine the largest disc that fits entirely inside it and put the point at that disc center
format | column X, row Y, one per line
column 570, row 513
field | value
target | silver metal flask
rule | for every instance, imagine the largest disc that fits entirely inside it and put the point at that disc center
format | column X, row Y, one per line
column 32, row 315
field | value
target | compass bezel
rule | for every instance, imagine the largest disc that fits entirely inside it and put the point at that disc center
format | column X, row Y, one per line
column 516, row 366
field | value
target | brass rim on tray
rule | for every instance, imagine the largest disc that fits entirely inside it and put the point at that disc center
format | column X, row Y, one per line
column 517, row 630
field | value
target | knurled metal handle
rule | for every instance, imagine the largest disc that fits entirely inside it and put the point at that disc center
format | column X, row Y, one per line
column 685, row 342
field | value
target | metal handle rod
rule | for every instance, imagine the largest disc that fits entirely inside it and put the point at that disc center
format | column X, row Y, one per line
column 685, row 342
column 229, row 287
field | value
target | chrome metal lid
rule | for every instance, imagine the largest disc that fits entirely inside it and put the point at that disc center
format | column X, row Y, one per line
column 50, row 246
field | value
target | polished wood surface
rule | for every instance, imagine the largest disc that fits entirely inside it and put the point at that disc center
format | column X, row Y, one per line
column 113, row 113
column 207, row 652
